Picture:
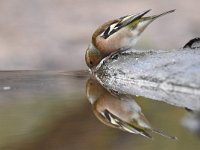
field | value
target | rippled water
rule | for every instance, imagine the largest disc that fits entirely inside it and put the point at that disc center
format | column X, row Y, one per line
column 50, row 110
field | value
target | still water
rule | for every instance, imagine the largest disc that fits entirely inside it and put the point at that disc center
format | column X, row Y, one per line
column 50, row 110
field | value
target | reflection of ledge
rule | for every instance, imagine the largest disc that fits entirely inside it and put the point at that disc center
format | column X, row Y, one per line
column 170, row 76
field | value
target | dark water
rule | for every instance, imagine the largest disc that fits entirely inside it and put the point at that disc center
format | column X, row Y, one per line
column 50, row 111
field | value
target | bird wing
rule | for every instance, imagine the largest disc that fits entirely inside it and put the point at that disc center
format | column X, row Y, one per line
column 118, row 123
column 193, row 44
column 122, row 22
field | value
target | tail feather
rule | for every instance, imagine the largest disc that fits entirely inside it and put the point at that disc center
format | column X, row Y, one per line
column 164, row 134
column 165, row 13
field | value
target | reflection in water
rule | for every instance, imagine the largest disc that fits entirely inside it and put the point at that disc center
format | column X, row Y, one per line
column 120, row 111
column 49, row 111
column 38, row 110
column 154, row 74
column 192, row 122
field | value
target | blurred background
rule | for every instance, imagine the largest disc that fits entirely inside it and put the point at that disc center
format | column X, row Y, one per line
column 51, row 112
column 53, row 34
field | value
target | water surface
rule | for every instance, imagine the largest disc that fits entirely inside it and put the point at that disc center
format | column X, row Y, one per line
column 50, row 110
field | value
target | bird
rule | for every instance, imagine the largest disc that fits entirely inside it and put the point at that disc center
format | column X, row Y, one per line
column 117, row 34
column 121, row 112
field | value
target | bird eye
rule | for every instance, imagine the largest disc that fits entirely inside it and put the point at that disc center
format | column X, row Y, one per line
column 91, row 62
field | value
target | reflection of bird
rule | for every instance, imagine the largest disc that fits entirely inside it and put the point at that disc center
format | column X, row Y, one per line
column 192, row 122
column 118, row 112
column 118, row 34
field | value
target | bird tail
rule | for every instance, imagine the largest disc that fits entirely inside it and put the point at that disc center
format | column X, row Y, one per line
column 164, row 134
column 165, row 13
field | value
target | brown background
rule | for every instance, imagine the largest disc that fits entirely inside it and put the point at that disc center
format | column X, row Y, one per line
column 53, row 34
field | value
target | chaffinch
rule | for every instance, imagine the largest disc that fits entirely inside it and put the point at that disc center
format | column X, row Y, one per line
column 117, row 34
column 118, row 112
